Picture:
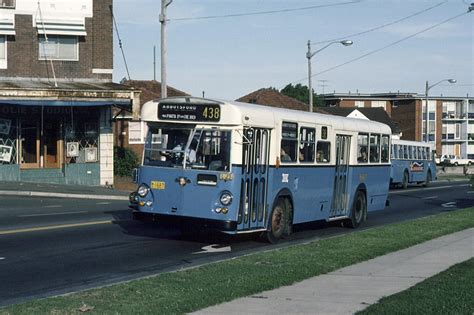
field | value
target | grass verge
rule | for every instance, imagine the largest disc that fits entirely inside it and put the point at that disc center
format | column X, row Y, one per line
column 450, row 292
column 193, row 289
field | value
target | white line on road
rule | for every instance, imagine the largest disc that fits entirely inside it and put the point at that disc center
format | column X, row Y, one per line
column 432, row 197
column 103, row 203
column 2, row 258
column 49, row 214
column 425, row 189
column 53, row 206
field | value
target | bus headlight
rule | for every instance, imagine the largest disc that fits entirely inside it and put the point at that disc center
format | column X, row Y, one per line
column 143, row 190
column 226, row 198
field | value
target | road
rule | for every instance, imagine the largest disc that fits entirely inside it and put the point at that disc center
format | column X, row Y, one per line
column 54, row 246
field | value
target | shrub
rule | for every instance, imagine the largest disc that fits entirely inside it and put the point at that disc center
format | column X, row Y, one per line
column 125, row 160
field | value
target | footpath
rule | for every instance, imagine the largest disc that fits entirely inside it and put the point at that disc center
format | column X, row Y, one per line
column 353, row 288
column 61, row 191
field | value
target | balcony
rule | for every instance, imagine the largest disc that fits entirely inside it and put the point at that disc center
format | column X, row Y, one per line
column 8, row 4
column 455, row 116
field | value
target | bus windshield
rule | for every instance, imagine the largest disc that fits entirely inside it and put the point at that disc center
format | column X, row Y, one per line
column 188, row 147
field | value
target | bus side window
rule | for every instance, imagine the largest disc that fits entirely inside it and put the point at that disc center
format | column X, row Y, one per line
column 362, row 148
column 306, row 147
column 385, row 146
column 405, row 152
column 374, row 148
column 289, row 142
column 323, row 152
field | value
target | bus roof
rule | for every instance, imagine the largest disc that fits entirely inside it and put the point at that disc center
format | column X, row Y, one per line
column 238, row 113
column 414, row 143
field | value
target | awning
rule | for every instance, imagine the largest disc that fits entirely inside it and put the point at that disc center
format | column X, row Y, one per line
column 61, row 27
column 7, row 27
column 58, row 103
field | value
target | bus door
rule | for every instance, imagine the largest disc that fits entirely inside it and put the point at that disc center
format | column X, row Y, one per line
column 254, row 182
column 340, row 196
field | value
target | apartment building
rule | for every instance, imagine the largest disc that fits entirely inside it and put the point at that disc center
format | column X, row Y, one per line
column 450, row 119
column 56, row 91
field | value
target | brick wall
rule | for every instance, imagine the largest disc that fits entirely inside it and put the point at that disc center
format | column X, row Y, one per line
column 407, row 116
column 95, row 49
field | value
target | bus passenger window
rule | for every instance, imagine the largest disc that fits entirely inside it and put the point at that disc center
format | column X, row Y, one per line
column 385, row 146
column 306, row 147
column 405, row 152
column 289, row 142
column 362, row 148
column 323, row 152
column 374, row 148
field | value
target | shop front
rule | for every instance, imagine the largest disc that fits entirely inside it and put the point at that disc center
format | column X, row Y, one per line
column 58, row 141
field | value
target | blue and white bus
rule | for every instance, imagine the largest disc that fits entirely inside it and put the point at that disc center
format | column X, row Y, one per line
column 412, row 162
column 244, row 168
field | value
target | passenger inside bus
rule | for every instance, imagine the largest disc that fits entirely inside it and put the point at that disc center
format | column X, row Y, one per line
column 284, row 157
column 362, row 156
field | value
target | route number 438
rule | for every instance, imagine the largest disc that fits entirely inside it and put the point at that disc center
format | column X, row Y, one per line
column 211, row 113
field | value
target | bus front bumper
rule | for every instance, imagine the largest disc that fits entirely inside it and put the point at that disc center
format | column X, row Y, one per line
column 224, row 226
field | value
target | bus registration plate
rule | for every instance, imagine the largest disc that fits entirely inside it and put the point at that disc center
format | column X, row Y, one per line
column 158, row 185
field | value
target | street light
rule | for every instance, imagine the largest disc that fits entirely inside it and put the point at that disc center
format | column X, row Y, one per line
column 309, row 55
column 427, row 88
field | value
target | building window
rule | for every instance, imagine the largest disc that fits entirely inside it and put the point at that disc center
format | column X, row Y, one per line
column 359, row 104
column 137, row 131
column 379, row 104
column 3, row 52
column 7, row 4
column 59, row 48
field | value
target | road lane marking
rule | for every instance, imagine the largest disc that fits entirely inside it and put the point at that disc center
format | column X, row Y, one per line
column 103, row 203
column 432, row 197
column 2, row 258
column 214, row 248
column 53, row 206
column 425, row 189
column 49, row 214
column 451, row 204
column 54, row 227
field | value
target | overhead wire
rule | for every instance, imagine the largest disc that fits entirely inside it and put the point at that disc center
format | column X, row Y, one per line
column 209, row 17
column 383, row 47
column 380, row 26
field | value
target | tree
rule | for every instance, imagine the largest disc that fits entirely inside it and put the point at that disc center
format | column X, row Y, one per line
column 301, row 93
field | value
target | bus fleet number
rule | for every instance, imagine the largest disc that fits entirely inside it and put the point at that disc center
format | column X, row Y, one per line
column 211, row 113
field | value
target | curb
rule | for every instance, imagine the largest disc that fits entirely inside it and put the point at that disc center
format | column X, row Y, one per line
column 61, row 195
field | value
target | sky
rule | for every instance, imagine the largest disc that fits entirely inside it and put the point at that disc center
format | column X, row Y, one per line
column 230, row 57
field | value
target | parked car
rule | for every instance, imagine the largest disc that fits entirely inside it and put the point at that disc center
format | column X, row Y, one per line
column 443, row 159
column 457, row 160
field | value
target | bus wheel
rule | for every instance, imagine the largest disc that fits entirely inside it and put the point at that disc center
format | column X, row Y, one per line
column 428, row 180
column 359, row 210
column 405, row 180
column 278, row 222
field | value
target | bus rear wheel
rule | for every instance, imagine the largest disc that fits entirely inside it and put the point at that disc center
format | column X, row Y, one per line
column 359, row 210
column 279, row 224
column 428, row 180
column 405, row 180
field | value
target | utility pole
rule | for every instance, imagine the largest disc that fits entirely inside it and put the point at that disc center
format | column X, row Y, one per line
column 310, row 88
column 164, row 6
column 154, row 63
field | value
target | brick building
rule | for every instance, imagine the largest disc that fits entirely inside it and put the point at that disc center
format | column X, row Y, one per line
column 56, row 91
column 450, row 119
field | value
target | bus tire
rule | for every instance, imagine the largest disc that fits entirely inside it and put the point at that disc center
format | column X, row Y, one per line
column 278, row 223
column 405, row 180
column 359, row 210
column 428, row 179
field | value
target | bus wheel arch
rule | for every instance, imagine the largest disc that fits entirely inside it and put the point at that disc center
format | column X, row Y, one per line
column 358, row 212
column 280, row 220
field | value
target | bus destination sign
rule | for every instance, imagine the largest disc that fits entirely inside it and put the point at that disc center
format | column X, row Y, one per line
column 189, row 112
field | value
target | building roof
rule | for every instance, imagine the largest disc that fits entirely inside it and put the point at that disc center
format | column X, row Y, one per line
column 372, row 113
column 389, row 96
column 151, row 89
column 271, row 97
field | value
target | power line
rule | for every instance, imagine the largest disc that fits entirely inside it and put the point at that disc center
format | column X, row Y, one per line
column 384, row 47
column 264, row 12
column 120, row 42
column 381, row 26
